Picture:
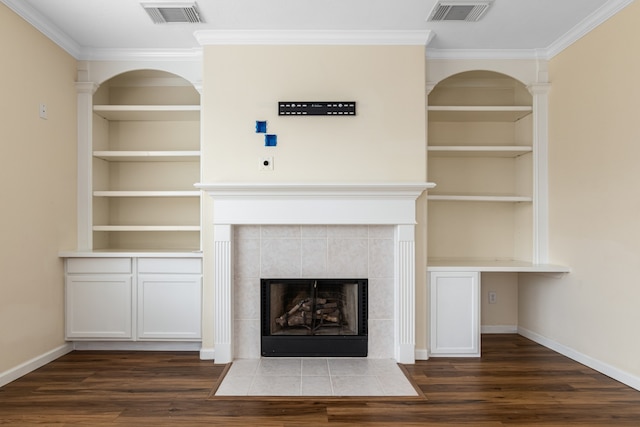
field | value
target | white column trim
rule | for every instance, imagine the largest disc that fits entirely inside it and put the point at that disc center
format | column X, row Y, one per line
column 223, row 293
column 85, row 91
column 405, row 294
column 540, row 93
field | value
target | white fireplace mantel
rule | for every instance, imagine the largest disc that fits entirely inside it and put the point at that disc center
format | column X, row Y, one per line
column 316, row 203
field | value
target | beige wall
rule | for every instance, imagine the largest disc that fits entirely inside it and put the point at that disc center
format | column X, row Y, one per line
column 594, row 147
column 38, row 187
column 384, row 142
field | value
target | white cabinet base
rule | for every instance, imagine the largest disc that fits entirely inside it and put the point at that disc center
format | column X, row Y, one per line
column 99, row 306
column 455, row 314
column 133, row 298
column 169, row 306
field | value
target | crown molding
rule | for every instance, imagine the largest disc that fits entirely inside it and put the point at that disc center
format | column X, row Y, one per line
column 43, row 25
column 187, row 55
column 313, row 37
column 484, row 53
column 605, row 12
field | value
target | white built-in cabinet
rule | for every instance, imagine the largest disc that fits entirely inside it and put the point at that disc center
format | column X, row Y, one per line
column 99, row 298
column 481, row 213
column 133, row 299
column 136, row 275
column 455, row 313
column 487, row 137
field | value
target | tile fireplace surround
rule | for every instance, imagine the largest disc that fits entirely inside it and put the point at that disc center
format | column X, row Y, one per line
column 313, row 204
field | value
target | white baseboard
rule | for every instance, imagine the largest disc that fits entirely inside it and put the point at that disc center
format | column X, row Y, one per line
column 499, row 329
column 31, row 365
column 207, row 354
column 422, row 354
column 604, row 368
column 136, row 346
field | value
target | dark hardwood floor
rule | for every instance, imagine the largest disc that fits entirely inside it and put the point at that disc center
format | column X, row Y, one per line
column 516, row 382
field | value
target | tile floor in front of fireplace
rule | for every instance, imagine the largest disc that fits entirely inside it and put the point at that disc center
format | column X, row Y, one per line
column 315, row 377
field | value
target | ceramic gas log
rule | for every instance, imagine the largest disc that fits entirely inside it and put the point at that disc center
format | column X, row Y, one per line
column 313, row 314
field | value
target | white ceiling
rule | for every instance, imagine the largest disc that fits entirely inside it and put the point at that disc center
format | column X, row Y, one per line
column 511, row 28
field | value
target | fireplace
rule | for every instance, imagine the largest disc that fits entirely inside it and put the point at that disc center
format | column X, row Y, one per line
column 314, row 317
column 238, row 204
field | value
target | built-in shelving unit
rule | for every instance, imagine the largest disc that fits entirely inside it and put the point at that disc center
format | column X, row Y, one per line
column 146, row 158
column 480, row 155
column 135, row 279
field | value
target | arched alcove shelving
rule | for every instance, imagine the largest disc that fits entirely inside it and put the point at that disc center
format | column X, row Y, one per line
column 145, row 158
column 480, row 155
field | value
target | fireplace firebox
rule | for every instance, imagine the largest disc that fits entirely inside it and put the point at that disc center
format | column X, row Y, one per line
column 314, row 317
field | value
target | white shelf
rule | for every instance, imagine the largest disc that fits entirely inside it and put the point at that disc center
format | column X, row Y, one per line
column 488, row 266
column 485, row 198
column 146, row 228
column 148, row 112
column 490, row 113
column 195, row 193
column 148, row 156
column 478, row 150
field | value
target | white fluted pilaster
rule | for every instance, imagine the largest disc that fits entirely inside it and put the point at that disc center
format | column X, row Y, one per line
column 223, row 293
column 405, row 294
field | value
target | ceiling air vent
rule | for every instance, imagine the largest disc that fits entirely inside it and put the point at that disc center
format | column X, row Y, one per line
column 169, row 13
column 460, row 10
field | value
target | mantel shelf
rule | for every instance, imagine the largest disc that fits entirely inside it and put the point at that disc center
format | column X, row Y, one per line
column 478, row 150
column 148, row 156
column 148, row 112
column 361, row 203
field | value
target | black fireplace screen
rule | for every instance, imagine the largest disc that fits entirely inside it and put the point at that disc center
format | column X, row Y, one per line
column 314, row 317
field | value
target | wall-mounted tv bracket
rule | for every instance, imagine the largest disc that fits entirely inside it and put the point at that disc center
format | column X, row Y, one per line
column 317, row 108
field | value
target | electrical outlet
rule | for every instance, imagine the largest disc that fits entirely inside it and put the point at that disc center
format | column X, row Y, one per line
column 266, row 163
column 43, row 111
column 493, row 297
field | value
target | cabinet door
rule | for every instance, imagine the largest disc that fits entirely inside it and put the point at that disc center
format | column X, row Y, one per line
column 99, row 306
column 455, row 313
column 169, row 306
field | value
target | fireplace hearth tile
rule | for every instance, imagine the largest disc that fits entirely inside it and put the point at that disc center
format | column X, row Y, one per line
column 315, row 367
column 353, row 367
column 270, row 385
column 279, row 367
column 235, row 386
column 243, row 368
column 316, row 386
column 315, row 377
column 364, row 385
